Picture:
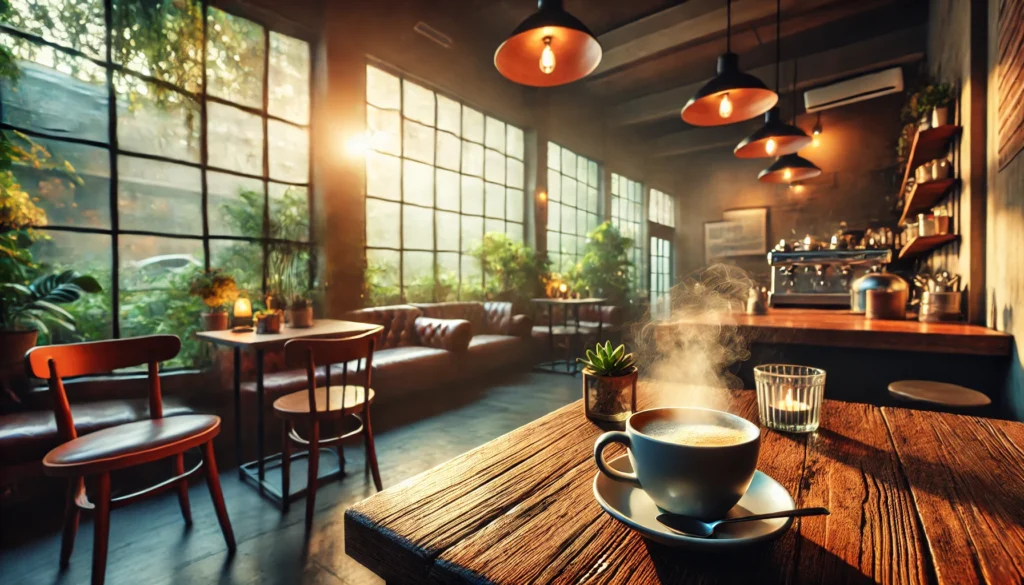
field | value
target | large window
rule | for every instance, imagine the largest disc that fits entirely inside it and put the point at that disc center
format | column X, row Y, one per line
column 661, row 276
column 573, row 205
column 628, row 216
column 662, row 209
column 175, row 137
column 439, row 175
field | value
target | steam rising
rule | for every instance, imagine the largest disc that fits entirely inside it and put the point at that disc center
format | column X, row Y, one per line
column 693, row 346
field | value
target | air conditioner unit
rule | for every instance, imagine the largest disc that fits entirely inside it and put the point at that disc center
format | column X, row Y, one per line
column 854, row 90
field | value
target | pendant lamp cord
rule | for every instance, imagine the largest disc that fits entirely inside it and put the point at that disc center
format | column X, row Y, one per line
column 793, row 121
column 778, row 42
column 728, row 26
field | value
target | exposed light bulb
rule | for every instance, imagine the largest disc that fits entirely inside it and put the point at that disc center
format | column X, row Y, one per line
column 770, row 146
column 787, row 174
column 725, row 107
column 547, row 57
column 816, row 142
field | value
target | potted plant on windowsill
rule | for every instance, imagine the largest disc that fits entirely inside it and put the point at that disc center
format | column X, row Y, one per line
column 609, row 383
column 218, row 291
column 28, row 309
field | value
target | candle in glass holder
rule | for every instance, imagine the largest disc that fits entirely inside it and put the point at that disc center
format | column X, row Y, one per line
column 243, row 315
column 791, row 412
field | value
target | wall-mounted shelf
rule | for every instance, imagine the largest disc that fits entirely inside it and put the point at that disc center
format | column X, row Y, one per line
column 922, row 244
column 928, row 145
column 925, row 195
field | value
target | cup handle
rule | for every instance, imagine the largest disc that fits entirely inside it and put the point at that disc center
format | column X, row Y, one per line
column 602, row 442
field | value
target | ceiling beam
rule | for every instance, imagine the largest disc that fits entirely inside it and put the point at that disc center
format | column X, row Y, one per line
column 704, row 139
column 689, row 22
column 896, row 48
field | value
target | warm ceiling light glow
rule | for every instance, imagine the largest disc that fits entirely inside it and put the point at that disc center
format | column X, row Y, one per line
column 542, row 196
column 769, row 147
column 816, row 142
column 547, row 57
column 725, row 107
column 787, row 174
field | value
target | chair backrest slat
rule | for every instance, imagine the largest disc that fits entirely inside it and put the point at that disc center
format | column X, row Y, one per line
column 55, row 362
column 307, row 353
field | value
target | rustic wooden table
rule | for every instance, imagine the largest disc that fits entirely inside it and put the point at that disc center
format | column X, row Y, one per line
column 916, row 497
column 255, row 471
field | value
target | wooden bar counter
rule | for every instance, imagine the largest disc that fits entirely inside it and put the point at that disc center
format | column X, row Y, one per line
column 837, row 328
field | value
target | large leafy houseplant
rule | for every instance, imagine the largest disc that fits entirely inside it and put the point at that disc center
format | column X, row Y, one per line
column 512, row 271
column 36, row 305
column 605, row 269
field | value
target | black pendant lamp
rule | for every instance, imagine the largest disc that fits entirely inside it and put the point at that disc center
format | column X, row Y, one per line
column 551, row 47
column 790, row 168
column 732, row 95
column 775, row 138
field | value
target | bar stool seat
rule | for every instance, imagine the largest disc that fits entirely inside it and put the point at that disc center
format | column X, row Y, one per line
column 938, row 393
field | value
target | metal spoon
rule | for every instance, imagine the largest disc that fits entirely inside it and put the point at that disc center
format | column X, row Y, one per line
column 700, row 529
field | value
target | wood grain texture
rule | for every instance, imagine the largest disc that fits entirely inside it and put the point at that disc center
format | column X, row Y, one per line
column 521, row 510
column 967, row 478
column 832, row 328
column 1010, row 82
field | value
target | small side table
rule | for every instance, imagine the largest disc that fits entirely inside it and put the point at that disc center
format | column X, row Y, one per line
column 571, row 332
column 254, row 472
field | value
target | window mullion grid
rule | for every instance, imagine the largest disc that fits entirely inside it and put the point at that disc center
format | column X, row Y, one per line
column 204, row 151
column 401, row 182
column 310, row 199
column 115, row 261
column 436, row 272
column 266, row 161
column 461, row 146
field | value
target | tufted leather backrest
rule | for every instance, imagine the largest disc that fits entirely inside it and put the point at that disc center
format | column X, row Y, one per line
column 468, row 310
column 399, row 322
column 498, row 317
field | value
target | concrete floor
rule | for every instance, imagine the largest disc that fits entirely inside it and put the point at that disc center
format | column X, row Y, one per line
column 150, row 544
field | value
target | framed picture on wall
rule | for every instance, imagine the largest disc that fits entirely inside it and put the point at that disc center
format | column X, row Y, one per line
column 742, row 232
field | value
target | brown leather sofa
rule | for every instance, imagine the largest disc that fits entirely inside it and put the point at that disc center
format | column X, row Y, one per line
column 29, row 432
column 500, row 337
column 424, row 347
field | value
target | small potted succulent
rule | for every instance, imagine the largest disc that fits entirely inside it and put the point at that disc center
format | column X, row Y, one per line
column 300, row 311
column 609, row 383
column 268, row 321
column 218, row 291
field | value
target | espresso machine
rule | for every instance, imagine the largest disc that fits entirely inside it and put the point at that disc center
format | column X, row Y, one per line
column 821, row 277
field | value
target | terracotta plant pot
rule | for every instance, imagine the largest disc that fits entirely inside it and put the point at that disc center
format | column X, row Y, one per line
column 215, row 321
column 13, row 377
column 609, row 398
column 300, row 318
column 269, row 323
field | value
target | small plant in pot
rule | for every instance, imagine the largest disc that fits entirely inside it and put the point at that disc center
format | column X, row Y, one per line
column 218, row 291
column 300, row 311
column 29, row 309
column 609, row 383
column 268, row 321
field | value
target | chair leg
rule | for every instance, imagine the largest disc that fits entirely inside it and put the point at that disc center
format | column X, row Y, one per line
column 179, row 469
column 371, row 451
column 314, row 471
column 286, row 464
column 101, row 526
column 213, row 482
column 71, row 515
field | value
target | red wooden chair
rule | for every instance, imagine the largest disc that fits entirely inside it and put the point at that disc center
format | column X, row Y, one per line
column 123, row 446
column 314, row 405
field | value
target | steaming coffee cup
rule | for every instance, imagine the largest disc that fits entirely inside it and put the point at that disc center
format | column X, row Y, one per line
column 690, row 461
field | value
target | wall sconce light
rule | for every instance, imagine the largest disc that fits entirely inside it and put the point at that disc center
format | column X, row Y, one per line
column 816, row 132
column 542, row 197
column 358, row 144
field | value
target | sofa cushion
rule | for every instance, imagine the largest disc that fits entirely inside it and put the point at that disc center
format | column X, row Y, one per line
column 490, row 352
column 29, row 435
column 399, row 322
column 402, row 369
column 447, row 334
column 490, row 318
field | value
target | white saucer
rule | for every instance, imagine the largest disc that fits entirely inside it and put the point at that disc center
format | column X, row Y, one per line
column 634, row 508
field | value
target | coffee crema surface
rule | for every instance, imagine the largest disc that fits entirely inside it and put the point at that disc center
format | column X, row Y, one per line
column 696, row 434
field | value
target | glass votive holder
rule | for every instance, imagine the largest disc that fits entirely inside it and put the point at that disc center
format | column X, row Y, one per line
column 789, row 397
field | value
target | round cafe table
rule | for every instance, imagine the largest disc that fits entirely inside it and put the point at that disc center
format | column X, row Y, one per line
column 571, row 331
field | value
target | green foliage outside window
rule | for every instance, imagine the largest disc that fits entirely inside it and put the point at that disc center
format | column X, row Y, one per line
column 512, row 271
